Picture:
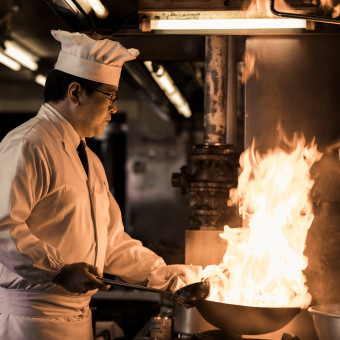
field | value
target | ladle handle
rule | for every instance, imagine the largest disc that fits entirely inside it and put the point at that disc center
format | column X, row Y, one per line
column 130, row 285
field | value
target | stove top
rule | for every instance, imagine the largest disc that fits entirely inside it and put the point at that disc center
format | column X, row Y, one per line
column 214, row 334
column 219, row 335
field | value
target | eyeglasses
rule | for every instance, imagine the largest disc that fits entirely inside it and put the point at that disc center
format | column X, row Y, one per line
column 112, row 96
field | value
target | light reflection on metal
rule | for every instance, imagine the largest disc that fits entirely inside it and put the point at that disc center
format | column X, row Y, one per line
column 165, row 82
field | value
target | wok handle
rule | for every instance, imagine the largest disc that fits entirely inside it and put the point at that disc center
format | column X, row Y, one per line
column 130, row 285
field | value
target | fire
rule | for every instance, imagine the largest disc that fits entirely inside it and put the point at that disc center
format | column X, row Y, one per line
column 328, row 5
column 262, row 7
column 264, row 261
column 249, row 67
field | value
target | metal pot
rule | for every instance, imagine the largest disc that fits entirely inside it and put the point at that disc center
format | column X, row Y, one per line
column 187, row 321
column 326, row 319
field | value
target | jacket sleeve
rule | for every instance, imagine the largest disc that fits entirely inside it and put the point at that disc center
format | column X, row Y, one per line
column 125, row 256
column 24, row 180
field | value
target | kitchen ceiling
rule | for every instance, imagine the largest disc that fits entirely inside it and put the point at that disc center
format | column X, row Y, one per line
column 29, row 23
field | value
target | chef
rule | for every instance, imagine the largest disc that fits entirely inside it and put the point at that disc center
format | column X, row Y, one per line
column 60, row 227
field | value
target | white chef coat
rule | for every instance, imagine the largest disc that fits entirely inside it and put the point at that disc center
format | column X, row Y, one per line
column 51, row 213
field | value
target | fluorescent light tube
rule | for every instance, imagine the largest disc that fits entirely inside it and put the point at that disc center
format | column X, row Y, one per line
column 233, row 24
column 180, row 103
column 98, row 8
column 40, row 79
column 165, row 82
column 16, row 52
column 82, row 3
column 12, row 64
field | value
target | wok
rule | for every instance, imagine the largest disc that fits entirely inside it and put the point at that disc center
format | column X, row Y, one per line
column 237, row 319
column 188, row 295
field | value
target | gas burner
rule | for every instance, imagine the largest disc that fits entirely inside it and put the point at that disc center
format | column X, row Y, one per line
column 219, row 335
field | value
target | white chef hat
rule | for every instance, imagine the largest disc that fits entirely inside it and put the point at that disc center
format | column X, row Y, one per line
column 97, row 60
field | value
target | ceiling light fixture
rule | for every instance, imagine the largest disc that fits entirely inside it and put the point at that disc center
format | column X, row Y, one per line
column 165, row 82
column 99, row 9
column 12, row 64
column 232, row 24
column 209, row 21
column 40, row 79
column 82, row 3
column 16, row 52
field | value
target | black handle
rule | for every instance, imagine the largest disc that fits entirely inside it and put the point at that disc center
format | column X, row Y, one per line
column 130, row 285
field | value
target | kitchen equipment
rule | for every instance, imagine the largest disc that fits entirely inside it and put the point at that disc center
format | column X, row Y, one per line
column 326, row 319
column 161, row 327
column 218, row 335
column 187, row 321
column 189, row 295
column 237, row 319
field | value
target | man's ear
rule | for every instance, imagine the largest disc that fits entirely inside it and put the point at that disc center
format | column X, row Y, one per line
column 73, row 93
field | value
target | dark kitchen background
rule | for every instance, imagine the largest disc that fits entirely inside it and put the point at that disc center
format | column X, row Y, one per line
column 295, row 83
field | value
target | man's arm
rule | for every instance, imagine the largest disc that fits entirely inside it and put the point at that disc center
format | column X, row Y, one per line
column 125, row 256
column 24, row 180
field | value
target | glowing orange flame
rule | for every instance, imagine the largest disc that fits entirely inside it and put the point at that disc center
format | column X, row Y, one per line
column 264, row 262
column 248, row 68
column 336, row 11
column 260, row 6
column 328, row 5
column 263, row 7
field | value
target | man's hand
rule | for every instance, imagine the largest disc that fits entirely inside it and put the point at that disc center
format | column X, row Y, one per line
column 174, row 277
column 79, row 278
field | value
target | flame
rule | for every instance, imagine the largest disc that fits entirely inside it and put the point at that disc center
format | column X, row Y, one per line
column 260, row 6
column 264, row 262
column 263, row 7
column 336, row 11
column 248, row 67
column 328, row 5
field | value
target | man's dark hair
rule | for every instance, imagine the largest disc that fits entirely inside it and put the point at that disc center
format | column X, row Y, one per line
column 57, row 83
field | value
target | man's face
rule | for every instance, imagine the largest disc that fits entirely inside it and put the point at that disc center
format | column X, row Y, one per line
column 96, row 109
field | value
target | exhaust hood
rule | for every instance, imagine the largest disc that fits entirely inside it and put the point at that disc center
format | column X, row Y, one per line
column 249, row 17
column 214, row 22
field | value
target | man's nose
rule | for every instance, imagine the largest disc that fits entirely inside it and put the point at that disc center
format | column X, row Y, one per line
column 113, row 108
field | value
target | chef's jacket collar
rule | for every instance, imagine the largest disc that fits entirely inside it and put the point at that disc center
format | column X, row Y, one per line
column 68, row 133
